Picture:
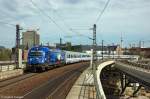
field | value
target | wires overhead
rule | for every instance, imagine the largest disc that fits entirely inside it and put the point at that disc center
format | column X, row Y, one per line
column 101, row 13
column 81, row 34
column 62, row 19
column 68, row 26
column 2, row 22
column 46, row 15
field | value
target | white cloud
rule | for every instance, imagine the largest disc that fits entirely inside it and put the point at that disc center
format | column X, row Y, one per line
column 128, row 16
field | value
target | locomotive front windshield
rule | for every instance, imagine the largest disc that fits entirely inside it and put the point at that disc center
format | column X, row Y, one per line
column 36, row 53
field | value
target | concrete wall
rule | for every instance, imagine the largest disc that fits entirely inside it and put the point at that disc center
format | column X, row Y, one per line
column 7, row 68
column 4, row 68
column 11, row 73
column 98, row 72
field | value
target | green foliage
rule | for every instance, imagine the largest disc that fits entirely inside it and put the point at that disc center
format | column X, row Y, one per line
column 5, row 54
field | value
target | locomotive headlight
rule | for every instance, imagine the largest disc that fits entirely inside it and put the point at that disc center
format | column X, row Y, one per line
column 30, row 59
column 42, row 60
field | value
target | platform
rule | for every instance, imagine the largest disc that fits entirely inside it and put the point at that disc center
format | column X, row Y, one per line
column 83, row 87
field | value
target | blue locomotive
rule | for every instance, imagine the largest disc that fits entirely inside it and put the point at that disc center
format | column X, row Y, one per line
column 41, row 58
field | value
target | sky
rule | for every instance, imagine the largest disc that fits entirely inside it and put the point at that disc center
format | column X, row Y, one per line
column 70, row 18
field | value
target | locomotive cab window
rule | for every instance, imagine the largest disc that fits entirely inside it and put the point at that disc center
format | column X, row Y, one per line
column 36, row 53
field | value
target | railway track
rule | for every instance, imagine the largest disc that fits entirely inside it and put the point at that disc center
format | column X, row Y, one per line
column 14, row 80
column 62, row 90
column 53, row 84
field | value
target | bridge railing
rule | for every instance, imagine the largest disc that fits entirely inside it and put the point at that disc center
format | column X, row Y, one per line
column 131, row 57
column 137, row 65
column 100, row 65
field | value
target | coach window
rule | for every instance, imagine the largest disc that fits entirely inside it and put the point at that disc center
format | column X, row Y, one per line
column 70, row 56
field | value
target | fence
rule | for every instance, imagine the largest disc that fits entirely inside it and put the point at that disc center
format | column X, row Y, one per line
column 137, row 65
column 10, row 66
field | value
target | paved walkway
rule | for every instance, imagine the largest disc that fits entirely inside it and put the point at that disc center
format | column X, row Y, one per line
column 83, row 87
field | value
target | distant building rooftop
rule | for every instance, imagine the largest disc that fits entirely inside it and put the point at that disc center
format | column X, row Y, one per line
column 89, row 47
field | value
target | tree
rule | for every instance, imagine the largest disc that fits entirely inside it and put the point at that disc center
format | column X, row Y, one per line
column 5, row 54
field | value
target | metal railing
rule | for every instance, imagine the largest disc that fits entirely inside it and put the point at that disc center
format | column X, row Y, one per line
column 6, row 66
column 137, row 65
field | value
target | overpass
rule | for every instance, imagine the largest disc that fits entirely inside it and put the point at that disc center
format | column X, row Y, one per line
column 131, row 72
column 139, row 72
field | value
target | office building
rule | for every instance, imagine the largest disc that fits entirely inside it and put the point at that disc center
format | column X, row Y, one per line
column 30, row 38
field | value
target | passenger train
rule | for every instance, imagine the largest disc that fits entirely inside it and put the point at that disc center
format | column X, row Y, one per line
column 43, row 58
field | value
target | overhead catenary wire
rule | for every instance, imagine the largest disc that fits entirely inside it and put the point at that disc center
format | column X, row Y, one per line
column 102, row 12
column 82, row 35
column 6, row 23
column 97, row 19
column 49, row 17
column 62, row 19
column 73, row 30
column 13, row 25
column 64, row 22
column 68, row 26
